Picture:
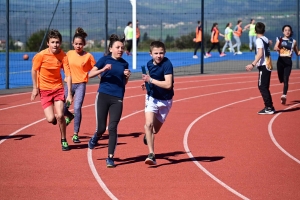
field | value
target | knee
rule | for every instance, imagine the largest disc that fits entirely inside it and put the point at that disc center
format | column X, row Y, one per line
column 148, row 126
column 60, row 117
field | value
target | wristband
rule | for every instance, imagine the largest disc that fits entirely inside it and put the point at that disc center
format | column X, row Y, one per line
column 252, row 65
column 151, row 79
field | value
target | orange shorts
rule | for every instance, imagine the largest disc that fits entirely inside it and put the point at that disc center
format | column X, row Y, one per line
column 49, row 96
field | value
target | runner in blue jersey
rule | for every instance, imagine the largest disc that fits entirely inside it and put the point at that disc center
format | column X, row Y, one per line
column 109, row 100
column 159, row 98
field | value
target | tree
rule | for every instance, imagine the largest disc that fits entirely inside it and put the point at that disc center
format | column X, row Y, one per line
column 169, row 38
column 35, row 40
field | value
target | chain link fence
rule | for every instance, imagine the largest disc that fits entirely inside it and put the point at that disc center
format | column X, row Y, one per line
column 171, row 21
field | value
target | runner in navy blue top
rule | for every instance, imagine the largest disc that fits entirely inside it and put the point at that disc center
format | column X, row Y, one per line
column 285, row 45
column 109, row 100
column 160, row 97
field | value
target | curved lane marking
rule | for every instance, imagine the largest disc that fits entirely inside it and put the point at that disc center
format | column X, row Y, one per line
column 274, row 140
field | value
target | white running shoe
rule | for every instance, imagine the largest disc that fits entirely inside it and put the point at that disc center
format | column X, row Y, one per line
column 239, row 52
column 195, row 56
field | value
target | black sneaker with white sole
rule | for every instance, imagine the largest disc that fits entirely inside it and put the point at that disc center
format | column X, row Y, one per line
column 150, row 160
column 267, row 111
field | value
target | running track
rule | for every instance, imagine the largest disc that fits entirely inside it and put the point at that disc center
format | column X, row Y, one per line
column 212, row 146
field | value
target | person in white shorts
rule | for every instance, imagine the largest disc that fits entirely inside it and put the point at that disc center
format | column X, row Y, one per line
column 159, row 97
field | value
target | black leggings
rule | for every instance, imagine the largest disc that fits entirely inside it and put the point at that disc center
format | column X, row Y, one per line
column 264, row 77
column 284, row 68
column 198, row 45
column 129, row 45
column 113, row 106
column 213, row 46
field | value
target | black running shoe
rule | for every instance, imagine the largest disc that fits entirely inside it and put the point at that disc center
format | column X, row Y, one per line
column 54, row 122
column 75, row 139
column 145, row 140
column 69, row 119
column 267, row 111
column 65, row 146
column 151, row 159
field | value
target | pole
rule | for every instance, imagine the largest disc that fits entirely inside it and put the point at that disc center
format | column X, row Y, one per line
column 133, row 3
column 49, row 26
column 70, row 46
column 7, row 45
column 106, row 29
column 298, row 38
column 203, row 41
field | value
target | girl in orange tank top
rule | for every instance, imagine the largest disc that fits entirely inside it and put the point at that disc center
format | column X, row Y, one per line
column 215, row 40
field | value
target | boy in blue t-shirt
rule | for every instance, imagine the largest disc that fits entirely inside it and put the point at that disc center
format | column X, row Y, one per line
column 159, row 98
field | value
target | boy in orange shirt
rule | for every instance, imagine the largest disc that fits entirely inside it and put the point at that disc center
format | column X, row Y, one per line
column 47, row 81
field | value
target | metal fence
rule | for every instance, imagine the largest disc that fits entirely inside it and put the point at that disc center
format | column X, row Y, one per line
column 171, row 21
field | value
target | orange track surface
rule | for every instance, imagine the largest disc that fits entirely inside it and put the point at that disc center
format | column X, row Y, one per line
column 213, row 145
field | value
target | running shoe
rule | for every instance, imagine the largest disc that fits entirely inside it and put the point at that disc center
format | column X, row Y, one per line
column 208, row 55
column 110, row 162
column 54, row 122
column 69, row 119
column 195, row 56
column 93, row 141
column 75, row 139
column 65, row 146
column 239, row 52
column 145, row 140
column 151, row 159
column 267, row 111
column 283, row 99
column 222, row 54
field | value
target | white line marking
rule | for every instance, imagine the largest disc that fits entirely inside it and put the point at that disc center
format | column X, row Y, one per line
column 274, row 140
column 92, row 167
column 177, row 89
column 185, row 144
column 97, row 177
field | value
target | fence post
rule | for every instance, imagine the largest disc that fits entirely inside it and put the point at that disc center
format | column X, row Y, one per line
column 7, row 45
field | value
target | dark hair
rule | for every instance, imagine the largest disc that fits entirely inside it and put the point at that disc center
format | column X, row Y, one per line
column 227, row 24
column 157, row 44
column 260, row 28
column 114, row 38
column 129, row 23
column 79, row 33
column 290, row 29
column 251, row 20
column 53, row 33
column 198, row 22
column 213, row 26
column 239, row 21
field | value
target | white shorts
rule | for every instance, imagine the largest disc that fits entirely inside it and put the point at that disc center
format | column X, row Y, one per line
column 161, row 108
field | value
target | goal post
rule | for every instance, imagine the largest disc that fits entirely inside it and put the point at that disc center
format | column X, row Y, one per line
column 133, row 4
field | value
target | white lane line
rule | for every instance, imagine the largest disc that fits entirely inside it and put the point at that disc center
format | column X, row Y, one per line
column 274, row 140
column 97, row 177
column 177, row 89
column 185, row 144
column 24, row 104
column 180, row 77
column 91, row 164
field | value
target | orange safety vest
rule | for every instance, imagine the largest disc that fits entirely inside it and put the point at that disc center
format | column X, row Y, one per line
column 138, row 33
column 238, row 32
column 216, row 35
column 198, row 34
